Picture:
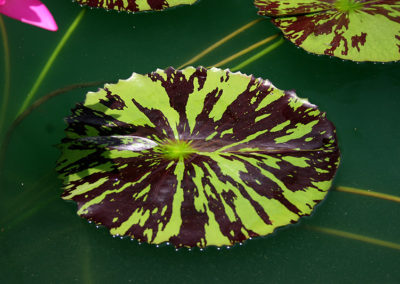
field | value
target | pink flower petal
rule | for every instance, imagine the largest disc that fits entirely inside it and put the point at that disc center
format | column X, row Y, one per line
column 32, row 12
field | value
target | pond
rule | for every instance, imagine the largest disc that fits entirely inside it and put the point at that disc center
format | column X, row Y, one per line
column 44, row 241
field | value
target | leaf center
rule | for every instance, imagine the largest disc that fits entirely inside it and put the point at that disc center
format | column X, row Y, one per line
column 177, row 149
column 347, row 6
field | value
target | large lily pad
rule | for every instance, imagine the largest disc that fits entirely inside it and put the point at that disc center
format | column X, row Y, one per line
column 134, row 5
column 359, row 30
column 196, row 157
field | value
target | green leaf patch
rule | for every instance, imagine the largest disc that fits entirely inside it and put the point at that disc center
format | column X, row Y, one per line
column 196, row 157
column 358, row 30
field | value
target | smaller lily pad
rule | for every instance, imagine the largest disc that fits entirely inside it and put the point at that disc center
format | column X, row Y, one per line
column 196, row 157
column 135, row 5
column 356, row 30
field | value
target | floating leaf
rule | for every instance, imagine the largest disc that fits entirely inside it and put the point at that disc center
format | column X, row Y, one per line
column 358, row 30
column 196, row 157
column 135, row 5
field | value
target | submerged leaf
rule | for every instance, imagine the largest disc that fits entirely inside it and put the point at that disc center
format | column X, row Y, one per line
column 196, row 157
column 135, row 5
column 359, row 30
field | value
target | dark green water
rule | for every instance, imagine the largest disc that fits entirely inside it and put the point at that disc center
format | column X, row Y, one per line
column 43, row 241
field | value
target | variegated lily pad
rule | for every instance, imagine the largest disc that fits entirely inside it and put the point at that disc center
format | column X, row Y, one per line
column 359, row 30
column 196, row 157
column 135, row 5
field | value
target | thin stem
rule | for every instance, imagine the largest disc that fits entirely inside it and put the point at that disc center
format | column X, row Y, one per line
column 30, row 211
column 7, row 72
column 258, row 55
column 368, row 193
column 27, row 198
column 220, row 42
column 246, row 50
column 35, row 105
column 87, row 277
column 50, row 62
column 356, row 237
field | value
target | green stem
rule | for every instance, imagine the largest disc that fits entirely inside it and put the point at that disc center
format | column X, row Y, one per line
column 220, row 42
column 369, row 193
column 30, row 211
column 29, row 201
column 356, row 237
column 246, row 50
column 87, row 277
column 27, row 198
column 258, row 55
column 7, row 72
column 50, row 62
